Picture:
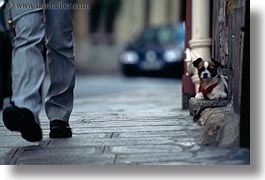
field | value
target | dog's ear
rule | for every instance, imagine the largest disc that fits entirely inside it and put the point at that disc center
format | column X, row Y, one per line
column 197, row 62
column 216, row 63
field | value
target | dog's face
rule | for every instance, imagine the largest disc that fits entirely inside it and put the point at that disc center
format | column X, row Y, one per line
column 206, row 69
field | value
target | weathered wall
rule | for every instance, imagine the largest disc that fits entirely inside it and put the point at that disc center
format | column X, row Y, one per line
column 230, row 46
column 229, row 125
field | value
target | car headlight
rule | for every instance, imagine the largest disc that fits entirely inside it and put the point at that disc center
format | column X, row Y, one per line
column 129, row 57
column 172, row 55
column 2, row 3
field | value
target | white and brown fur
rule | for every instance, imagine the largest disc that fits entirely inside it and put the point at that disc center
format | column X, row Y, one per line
column 209, row 76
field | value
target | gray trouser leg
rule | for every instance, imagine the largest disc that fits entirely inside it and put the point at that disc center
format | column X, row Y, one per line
column 28, row 67
column 60, row 62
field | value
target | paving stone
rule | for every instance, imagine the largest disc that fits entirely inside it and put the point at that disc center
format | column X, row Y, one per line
column 127, row 124
column 176, row 163
column 181, row 133
column 4, row 133
column 3, row 153
column 132, row 129
column 130, row 118
column 89, row 135
column 192, row 127
column 12, row 141
column 205, row 161
column 78, row 141
column 152, row 158
column 213, row 153
column 194, row 148
column 186, row 142
column 144, row 149
column 240, row 155
column 43, row 152
column 67, row 159
column 233, row 162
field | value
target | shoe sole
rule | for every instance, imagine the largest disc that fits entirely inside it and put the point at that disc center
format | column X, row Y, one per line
column 16, row 120
column 60, row 134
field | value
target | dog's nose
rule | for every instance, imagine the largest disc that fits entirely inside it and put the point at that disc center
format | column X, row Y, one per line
column 204, row 75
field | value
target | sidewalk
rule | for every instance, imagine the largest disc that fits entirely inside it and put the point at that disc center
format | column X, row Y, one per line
column 137, row 127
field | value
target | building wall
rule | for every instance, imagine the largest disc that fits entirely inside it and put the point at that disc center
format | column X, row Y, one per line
column 81, row 24
column 158, row 12
column 230, row 47
column 131, row 18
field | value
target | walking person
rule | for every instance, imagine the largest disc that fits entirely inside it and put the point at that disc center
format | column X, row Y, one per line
column 35, row 27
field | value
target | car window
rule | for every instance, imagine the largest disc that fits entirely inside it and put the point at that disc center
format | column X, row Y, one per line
column 146, row 38
column 180, row 33
column 165, row 36
column 162, row 36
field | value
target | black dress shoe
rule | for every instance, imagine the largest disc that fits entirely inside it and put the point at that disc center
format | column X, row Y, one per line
column 23, row 121
column 60, row 129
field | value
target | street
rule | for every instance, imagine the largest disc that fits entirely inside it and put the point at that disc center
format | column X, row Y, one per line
column 104, row 85
column 122, row 121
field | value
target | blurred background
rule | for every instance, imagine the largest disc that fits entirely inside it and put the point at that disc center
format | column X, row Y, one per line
column 116, row 39
column 130, row 37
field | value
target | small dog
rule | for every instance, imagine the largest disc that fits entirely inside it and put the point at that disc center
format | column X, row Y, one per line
column 212, row 85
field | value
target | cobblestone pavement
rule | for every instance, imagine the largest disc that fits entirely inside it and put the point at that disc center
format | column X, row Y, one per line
column 145, row 126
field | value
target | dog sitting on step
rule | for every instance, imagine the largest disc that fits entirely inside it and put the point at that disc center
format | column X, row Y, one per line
column 212, row 85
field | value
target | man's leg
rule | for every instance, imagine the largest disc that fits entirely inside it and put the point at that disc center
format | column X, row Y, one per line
column 61, row 67
column 28, row 70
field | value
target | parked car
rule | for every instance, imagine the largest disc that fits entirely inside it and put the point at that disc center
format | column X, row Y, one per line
column 155, row 51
